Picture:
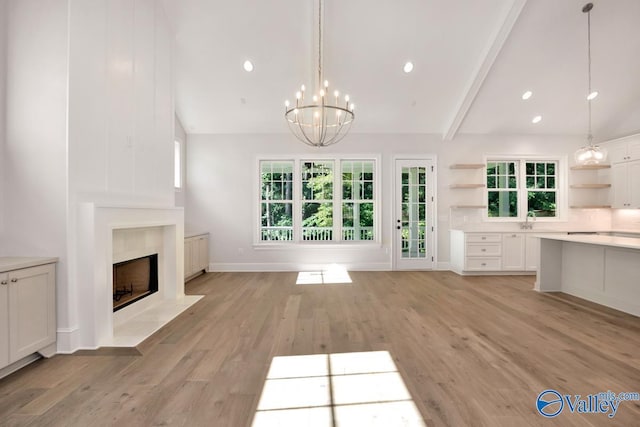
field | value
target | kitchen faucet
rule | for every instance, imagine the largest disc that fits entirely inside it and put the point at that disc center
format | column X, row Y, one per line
column 526, row 225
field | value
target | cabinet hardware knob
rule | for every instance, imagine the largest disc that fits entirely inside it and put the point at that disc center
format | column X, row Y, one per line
column 484, row 238
column 483, row 250
column 4, row 282
column 14, row 280
column 484, row 264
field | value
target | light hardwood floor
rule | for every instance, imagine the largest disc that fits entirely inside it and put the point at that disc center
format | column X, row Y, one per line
column 471, row 351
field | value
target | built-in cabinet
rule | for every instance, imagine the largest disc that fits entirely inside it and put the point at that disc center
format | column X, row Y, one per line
column 476, row 252
column 27, row 309
column 196, row 255
column 625, row 172
column 626, row 185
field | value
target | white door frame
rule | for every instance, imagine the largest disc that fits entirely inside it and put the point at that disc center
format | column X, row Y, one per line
column 430, row 162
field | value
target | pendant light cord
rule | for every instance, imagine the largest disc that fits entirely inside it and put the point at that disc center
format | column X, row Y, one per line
column 590, row 134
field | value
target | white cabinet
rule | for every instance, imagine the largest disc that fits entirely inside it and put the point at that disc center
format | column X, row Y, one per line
column 196, row 255
column 513, row 252
column 626, row 185
column 473, row 252
column 531, row 253
column 624, row 149
column 476, row 252
column 27, row 312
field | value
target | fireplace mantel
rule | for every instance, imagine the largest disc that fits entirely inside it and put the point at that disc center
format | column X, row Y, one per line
column 95, row 245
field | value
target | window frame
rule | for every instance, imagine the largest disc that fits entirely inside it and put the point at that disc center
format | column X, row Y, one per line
column 561, row 189
column 178, row 175
column 297, row 241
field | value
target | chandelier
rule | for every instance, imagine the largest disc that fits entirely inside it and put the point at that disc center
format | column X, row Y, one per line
column 322, row 118
column 590, row 154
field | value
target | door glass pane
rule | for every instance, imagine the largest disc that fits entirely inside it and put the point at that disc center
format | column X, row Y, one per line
column 414, row 212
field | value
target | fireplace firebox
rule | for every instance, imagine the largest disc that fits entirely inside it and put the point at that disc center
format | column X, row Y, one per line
column 134, row 279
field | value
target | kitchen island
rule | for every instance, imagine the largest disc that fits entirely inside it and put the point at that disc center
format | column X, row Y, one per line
column 602, row 269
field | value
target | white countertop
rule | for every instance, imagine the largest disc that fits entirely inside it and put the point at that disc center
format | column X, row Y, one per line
column 595, row 239
column 15, row 263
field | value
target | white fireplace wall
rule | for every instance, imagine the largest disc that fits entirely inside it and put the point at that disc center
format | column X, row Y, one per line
column 99, row 225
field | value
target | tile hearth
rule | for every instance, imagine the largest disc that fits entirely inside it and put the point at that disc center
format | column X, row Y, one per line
column 140, row 327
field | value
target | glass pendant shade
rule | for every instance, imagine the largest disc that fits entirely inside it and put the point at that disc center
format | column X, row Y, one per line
column 591, row 155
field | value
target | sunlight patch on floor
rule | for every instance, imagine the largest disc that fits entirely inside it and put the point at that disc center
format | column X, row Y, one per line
column 342, row 389
column 335, row 274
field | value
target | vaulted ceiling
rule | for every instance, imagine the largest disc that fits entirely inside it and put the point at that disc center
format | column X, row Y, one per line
column 473, row 60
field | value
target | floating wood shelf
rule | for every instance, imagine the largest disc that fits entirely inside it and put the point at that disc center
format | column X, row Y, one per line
column 590, row 167
column 590, row 207
column 469, row 206
column 467, row 166
column 466, row 186
column 590, row 186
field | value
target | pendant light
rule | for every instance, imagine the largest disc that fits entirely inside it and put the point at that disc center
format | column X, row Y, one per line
column 590, row 154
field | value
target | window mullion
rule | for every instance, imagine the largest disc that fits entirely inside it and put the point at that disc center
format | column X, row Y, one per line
column 297, row 201
column 337, row 201
column 523, row 192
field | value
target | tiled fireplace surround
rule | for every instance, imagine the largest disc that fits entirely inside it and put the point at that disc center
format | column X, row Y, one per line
column 111, row 234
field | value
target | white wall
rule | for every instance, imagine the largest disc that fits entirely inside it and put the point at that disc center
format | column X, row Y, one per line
column 121, row 114
column 35, row 163
column 3, row 74
column 221, row 189
column 181, row 135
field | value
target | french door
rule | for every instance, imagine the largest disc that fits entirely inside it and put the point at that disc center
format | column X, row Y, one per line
column 413, row 223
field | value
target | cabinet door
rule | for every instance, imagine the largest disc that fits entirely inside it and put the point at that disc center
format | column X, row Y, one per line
column 633, row 184
column 513, row 252
column 634, row 149
column 203, row 253
column 4, row 319
column 617, row 152
column 619, row 185
column 188, row 255
column 531, row 253
column 32, row 322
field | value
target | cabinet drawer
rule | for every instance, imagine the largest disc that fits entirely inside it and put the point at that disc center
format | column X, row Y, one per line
column 484, row 249
column 483, row 237
column 489, row 264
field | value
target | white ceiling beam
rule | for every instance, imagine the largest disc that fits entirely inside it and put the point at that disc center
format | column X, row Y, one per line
column 491, row 53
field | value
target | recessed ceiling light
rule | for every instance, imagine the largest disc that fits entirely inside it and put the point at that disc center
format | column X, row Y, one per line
column 527, row 95
column 536, row 119
column 248, row 66
column 408, row 67
column 592, row 95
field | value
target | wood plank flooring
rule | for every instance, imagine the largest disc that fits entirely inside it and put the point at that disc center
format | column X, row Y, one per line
column 472, row 351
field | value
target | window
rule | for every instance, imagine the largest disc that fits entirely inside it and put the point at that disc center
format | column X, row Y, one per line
column 524, row 187
column 357, row 200
column 177, row 164
column 317, row 200
column 276, row 221
column 323, row 200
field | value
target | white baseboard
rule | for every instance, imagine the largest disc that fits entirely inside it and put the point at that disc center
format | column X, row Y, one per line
column 68, row 340
column 443, row 266
column 257, row 267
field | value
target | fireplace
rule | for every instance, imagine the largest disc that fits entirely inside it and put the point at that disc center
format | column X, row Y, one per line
column 134, row 279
